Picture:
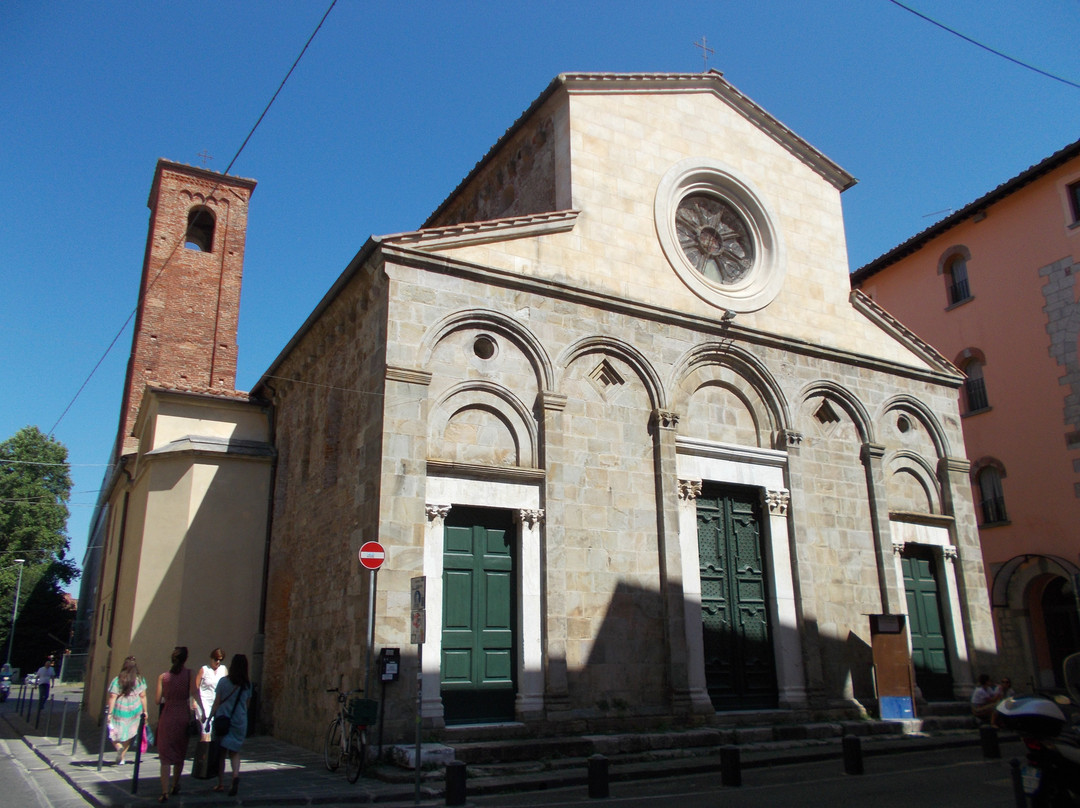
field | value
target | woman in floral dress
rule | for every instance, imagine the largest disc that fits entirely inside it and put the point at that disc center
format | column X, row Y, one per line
column 127, row 704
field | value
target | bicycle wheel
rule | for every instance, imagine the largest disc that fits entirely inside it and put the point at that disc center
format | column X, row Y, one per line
column 354, row 764
column 332, row 749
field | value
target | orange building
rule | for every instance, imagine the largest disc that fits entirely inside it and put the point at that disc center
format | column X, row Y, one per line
column 993, row 287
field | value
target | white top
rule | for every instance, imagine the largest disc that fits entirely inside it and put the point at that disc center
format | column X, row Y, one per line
column 45, row 674
column 208, row 686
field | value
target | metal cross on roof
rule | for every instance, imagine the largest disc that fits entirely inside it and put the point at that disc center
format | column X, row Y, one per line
column 705, row 51
column 204, row 155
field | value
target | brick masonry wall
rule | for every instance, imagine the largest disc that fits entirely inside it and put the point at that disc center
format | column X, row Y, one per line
column 189, row 300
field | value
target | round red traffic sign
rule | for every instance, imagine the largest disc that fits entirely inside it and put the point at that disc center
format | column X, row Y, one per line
column 372, row 555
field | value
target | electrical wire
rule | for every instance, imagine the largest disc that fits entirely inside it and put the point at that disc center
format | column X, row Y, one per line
column 1005, row 56
column 150, row 285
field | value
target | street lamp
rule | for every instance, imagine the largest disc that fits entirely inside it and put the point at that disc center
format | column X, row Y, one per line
column 15, row 609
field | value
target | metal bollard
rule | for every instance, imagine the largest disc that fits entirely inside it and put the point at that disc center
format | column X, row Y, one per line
column 1019, row 797
column 455, row 783
column 137, row 743
column 598, row 777
column 63, row 723
column 852, row 755
column 75, row 734
column 988, row 737
column 730, row 766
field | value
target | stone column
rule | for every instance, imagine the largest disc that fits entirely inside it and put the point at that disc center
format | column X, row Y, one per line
column 872, row 453
column 787, row 643
column 553, row 556
column 665, row 431
column 968, row 569
column 696, row 685
column 804, row 593
column 431, row 708
column 530, row 686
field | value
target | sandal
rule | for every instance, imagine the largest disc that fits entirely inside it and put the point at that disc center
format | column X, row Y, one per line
column 175, row 789
column 163, row 798
column 219, row 788
column 234, row 787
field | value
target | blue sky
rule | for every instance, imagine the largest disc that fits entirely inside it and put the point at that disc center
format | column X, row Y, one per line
column 391, row 107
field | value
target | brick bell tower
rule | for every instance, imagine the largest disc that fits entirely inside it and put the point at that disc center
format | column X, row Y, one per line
column 189, row 298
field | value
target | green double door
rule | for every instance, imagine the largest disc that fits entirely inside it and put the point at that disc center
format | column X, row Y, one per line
column 929, row 644
column 479, row 598
column 740, row 670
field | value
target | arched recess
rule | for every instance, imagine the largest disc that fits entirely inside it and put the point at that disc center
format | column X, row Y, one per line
column 850, row 404
column 494, row 421
column 905, row 468
column 628, row 354
column 916, row 409
column 741, row 375
column 498, row 323
column 957, row 250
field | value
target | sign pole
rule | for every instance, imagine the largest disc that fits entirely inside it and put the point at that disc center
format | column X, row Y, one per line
column 371, row 632
column 372, row 556
column 419, row 629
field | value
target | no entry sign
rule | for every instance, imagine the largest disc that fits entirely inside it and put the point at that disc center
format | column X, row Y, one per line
column 372, row 555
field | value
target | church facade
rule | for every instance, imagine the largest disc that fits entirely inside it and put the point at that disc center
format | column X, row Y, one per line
column 618, row 406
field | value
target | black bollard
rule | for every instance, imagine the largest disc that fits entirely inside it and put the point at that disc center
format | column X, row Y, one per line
column 730, row 766
column 137, row 745
column 852, row 755
column 988, row 737
column 598, row 777
column 1019, row 797
column 455, row 783
column 63, row 724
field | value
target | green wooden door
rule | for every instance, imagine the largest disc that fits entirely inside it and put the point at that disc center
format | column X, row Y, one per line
column 478, row 670
column 929, row 653
column 740, row 670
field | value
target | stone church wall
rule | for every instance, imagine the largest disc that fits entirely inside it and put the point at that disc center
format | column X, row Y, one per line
column 328, row 398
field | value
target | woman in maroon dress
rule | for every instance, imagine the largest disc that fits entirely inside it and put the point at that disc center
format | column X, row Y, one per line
column 175, row 694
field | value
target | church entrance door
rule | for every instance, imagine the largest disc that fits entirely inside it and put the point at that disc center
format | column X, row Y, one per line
column 740, row 670
column 929, row 644
column 479, row 597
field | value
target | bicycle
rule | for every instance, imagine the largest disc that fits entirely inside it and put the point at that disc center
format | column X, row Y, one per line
column 346, row 737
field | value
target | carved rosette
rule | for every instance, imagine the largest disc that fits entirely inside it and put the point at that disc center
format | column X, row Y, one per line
column 778, row 502
column 689, row 489
column 436, row 512
column 531, row 517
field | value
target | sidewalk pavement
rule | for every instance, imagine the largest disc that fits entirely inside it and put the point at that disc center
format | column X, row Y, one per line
column 273, row 772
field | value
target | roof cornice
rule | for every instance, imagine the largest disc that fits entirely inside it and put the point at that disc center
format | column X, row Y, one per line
column 1006, row 189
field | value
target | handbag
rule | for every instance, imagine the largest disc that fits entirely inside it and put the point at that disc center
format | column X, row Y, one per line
column 207, row 760
column 194, row 727
column 223, row 723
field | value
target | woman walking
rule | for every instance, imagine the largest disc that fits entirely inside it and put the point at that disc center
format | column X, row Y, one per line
column 206, row 682
column 176, row 694
column 127, row 704
column 233, row 697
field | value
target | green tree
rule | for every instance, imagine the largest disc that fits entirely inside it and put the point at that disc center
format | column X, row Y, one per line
column 35, row 486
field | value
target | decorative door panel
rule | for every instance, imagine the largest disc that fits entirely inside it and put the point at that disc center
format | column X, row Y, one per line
column 740, row 669
column 929, row 643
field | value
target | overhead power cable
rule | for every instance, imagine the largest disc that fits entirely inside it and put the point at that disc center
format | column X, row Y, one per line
column 164, row 265
column 1006, row 56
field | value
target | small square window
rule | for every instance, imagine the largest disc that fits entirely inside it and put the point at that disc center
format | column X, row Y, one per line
column 1074, row 201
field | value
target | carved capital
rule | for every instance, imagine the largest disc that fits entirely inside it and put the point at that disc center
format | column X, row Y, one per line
column 778, row 501
column 552, row 402
column 531, row 517
column 872, row 451
column 948, row 553
column 689, row 489
column 898, row 547
column 436, row 512
column 788, row 439
column 666, row 419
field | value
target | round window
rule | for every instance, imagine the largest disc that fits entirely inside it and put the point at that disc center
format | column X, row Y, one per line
column 718, row 235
